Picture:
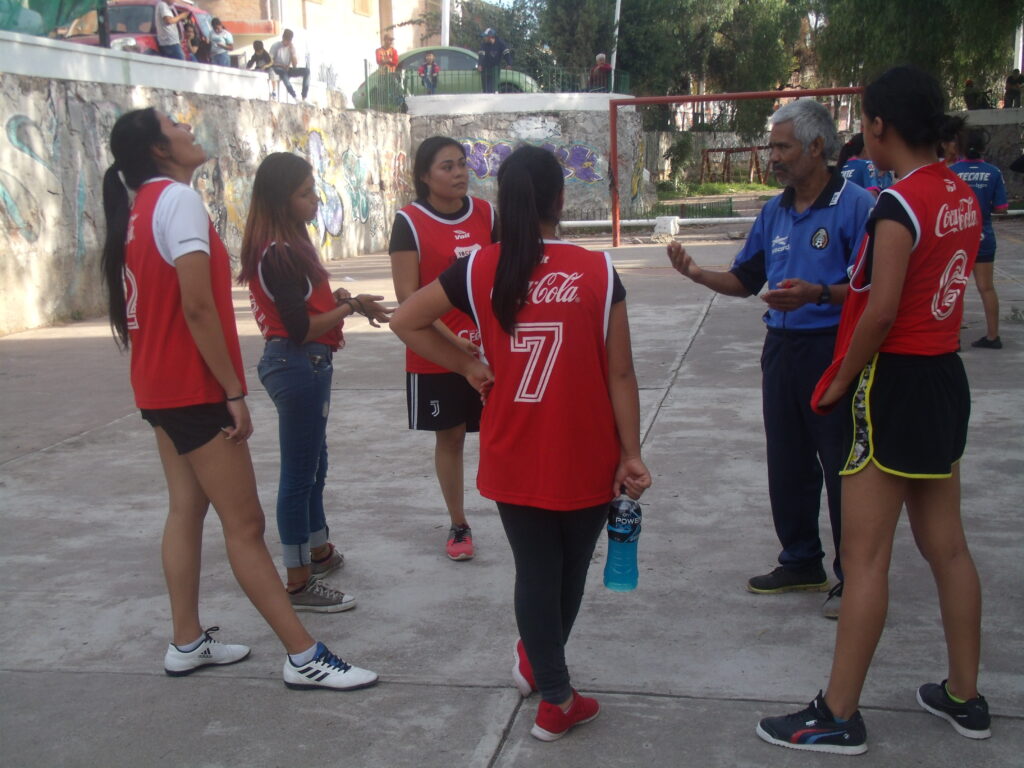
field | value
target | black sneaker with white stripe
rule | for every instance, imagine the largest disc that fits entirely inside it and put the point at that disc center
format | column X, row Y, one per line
column 178, row 663
column 327, row 671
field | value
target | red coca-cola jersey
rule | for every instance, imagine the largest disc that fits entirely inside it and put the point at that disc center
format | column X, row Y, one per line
column 547, row 435
column 947, row 229
column 439, row 243
column 319, row 299
column 167, row 370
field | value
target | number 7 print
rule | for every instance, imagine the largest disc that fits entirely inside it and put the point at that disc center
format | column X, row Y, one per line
column 542, row 341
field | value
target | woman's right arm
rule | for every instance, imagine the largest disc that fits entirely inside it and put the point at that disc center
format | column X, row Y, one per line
column 622, row 388
column 203, row 321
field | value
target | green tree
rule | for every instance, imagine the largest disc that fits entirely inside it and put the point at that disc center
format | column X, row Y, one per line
column 953, row 39
column 577, row 30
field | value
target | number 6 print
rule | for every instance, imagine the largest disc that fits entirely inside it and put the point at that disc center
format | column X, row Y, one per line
column 542, row 341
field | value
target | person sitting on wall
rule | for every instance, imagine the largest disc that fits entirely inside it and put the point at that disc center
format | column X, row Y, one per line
column 286, row 64
column 221, row 41
column 600, row 74
column 260, row 59
column 1014, row 85
column 428, row 73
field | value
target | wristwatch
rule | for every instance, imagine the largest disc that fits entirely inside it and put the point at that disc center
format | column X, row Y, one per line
column 826, row 295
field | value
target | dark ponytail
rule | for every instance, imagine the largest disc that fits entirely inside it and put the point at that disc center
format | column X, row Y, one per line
column 910, row 101
column 131, row 140
column 974, row 146
column 530, row 183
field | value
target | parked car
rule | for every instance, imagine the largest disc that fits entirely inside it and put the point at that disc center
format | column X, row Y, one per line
column 133, row 25
column 383, row 90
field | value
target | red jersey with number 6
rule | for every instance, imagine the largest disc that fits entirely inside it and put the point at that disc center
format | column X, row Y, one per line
column 439, row 243
column 167, row 370
column 946, row 224
column 547, row 435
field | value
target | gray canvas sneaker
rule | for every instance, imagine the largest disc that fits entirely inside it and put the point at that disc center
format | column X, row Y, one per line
column 317, row 597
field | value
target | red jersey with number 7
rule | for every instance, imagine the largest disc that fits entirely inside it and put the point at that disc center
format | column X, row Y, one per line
column 167, row 370
column 547, row 435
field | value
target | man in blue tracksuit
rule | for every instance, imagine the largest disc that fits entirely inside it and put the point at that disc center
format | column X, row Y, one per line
column 492, row 56
column 801, row 245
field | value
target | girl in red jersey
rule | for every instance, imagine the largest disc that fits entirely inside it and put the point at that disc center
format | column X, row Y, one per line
column 443, row 224
column 897, row 371
column 559, row 435
column 169, row 282
column 301, row 320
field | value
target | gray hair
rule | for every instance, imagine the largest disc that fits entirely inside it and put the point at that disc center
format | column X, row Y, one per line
column 601, row 57
column 811, row 120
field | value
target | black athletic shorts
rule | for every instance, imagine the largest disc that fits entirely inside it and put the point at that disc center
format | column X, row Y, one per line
column 441, row 401
column 908, row 416
column 190, row 426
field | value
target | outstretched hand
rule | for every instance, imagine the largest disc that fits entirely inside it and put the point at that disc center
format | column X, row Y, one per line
column 682, row 262
column 373, row 310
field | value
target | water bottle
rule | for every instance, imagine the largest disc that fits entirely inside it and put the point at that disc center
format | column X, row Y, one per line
column 620, row 571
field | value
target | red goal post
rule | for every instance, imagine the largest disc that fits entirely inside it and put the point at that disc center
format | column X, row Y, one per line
column 613, row 116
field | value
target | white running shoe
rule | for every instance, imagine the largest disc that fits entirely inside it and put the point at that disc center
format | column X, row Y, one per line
column 178, row 663
column 327, row 671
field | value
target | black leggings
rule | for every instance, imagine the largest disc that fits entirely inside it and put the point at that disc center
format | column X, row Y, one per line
column 552, row 551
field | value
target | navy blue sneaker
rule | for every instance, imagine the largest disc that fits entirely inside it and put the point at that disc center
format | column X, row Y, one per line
column 969, row 719
column 816, row 729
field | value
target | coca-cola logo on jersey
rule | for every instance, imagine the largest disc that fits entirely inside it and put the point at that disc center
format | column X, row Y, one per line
column 951, row 286
column 554, row 288
column 957, row 219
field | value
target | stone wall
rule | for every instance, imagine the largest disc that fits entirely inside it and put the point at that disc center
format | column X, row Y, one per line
column 53, row 154
column 579, row 139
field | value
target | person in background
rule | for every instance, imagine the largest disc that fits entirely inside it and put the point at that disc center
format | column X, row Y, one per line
column 901, row 388
column 260, row 59
column 286, row 64
column 443, row 225
column 600, row 74
column 387, row 56
column 168, row 280
column 492, row 56
column 560, row 436
column 858, row 168
column 986, row 181
column 428, row 72
column 221, row 41
column 1014, row 85
column 168, row 37
column 192, row 43
column 302, row 320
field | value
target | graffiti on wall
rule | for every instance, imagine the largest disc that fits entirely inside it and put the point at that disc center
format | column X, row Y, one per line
column 579, row 161
column 21, row 208
column 330, row 214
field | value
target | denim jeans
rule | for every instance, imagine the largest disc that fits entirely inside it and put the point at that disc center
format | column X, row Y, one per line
column 298, row 380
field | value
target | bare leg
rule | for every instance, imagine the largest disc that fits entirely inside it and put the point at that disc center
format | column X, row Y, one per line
column 933, row 508
column 984, row 279
column 448, row 451
column 872, row 501
column 298, row 577
column 224, row 470
column 181, row 549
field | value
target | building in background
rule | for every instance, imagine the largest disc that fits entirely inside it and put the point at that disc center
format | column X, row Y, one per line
column 337, row 36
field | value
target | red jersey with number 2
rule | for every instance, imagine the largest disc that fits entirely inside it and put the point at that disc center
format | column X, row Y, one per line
column 547, row 435
column 167, row 370
column 439, row 243
column 947, row 229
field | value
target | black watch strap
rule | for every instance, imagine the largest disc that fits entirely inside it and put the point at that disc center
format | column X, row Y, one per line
column 826, row 294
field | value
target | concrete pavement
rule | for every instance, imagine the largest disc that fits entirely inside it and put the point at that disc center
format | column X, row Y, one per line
column 684, row 666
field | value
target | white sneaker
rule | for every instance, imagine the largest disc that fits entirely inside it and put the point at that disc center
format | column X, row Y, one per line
column 178, row 663
column 327, row 671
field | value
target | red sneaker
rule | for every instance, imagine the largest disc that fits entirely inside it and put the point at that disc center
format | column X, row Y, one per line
column 522, row 671
column 552, row 723
column 460, row 543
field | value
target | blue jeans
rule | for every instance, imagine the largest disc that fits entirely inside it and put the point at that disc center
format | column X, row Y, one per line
column 298, row 380
column 221, row 59
column 172, row 51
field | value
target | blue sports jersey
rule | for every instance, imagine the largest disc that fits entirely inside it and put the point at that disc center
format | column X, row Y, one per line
column 817, row 246
column 863, row 173
column 987, row 182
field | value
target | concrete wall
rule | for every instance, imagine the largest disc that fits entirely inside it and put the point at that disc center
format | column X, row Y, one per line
column 53, row 154
column 579, row 138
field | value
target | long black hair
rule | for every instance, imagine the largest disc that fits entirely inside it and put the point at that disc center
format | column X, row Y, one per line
column 853, row 148
column 910, row 101
column 425, row 154
column 131, row 142
column 530, row 183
